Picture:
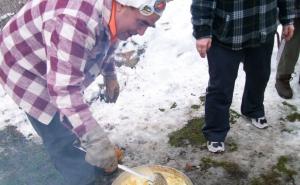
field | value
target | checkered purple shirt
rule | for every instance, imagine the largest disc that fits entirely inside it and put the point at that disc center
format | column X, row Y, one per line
column 50, row 51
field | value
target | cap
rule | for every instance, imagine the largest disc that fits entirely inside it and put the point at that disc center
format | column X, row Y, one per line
column 146, row 7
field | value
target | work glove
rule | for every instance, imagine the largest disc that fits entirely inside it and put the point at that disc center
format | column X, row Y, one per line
column 100, row 152
column 112, row 89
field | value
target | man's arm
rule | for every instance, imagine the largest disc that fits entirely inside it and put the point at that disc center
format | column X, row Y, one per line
column 109, row 68
column 286, row 11
column 286, row 17
column 66, row 39
column 202, row 17
column 110, row 78
column 67, row 43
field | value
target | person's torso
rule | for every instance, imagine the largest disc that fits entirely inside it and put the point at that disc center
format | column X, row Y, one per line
column 23, row 59
column 243, row 23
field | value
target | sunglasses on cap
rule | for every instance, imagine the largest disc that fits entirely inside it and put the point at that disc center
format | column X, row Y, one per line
column 156, row 6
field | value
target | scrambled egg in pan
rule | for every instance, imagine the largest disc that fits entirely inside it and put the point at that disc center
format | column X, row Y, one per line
column 172, row 179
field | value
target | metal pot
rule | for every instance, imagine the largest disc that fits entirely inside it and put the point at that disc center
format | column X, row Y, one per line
column 171, row 175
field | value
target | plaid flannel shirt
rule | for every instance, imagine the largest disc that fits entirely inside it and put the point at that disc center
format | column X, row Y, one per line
column 50, row 51
column 297, row 7
column 240, row 23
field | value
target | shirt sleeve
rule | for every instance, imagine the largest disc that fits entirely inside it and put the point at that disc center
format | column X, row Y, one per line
column 68, row 40
column 202, row 17
column 109, row 69
column 286, row 11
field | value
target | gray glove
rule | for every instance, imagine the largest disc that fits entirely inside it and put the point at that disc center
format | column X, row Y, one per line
column 99, row 150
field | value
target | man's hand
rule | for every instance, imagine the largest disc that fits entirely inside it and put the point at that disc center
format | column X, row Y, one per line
column 99, row 150
column 288, row 32
column 112, row 90
column 203, row 46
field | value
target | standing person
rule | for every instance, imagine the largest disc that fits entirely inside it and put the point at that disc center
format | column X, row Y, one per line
column 230, row 32
column 288, row 60
column 50, row 51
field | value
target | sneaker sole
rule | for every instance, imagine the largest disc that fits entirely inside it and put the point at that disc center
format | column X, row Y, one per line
column 213, row 150
column 260, row 126
column 216, row 151
column 256, row 126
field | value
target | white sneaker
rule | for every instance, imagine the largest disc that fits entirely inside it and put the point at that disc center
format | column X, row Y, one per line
column 260, row 123
column 215, row 147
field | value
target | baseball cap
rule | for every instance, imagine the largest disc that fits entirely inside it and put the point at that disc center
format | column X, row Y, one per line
column 146, row 7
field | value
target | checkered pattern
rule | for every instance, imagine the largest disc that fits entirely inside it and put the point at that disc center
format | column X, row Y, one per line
column 239, row 24
column 50, row 51
column 297, row 5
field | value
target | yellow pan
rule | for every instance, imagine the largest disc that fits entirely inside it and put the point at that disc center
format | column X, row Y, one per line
column 173, row 176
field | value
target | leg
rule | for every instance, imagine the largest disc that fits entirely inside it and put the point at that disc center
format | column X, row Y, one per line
column 223, row 67
column 287, row 64
column 257, row 65
column 67, row 159
column 290, row 53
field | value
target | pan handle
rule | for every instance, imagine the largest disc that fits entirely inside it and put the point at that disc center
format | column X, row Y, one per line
column 125, row 168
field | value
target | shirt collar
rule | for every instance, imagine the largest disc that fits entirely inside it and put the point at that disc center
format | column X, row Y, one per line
column 105, row 9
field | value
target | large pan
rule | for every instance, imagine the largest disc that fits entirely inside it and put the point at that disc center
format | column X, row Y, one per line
column 173, row 176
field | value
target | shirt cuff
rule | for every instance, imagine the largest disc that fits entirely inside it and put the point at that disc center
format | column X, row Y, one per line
column 85, row 127
column 201, row 31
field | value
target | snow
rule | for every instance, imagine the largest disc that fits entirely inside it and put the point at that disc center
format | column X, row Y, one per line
column 172, row 71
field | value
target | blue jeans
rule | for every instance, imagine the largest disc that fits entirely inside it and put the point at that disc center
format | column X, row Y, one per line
column 223, row 69
column 67, row 159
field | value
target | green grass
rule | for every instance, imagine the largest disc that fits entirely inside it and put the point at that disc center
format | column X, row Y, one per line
column 232, row 168
column 280, row 174
column 234, row 116
column 295, row 116
column 189, row 134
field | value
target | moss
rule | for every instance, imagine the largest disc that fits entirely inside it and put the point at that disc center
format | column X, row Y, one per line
column 173, row 106
column 281, row 166
column 195, row 106
column 233, row 169
column 292, row 107
column 293, row 117
column 206, row 163
column 189, row 134
column 270, row 178
column 288, row 130
column 232, row 146
column 278, row 173
column 234, row 116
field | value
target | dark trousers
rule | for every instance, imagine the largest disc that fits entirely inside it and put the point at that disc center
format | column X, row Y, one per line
column 67, row 159
column 223, row 69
